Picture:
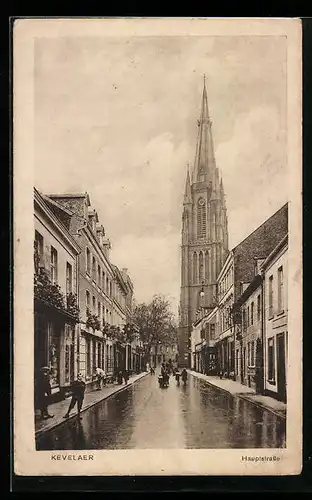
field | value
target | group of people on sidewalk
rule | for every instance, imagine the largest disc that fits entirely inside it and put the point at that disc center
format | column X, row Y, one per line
column 78, row 387
column 43, row 391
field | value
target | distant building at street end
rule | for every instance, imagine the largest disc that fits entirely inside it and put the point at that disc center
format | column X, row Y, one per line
column 275, row 272
column 204, row 234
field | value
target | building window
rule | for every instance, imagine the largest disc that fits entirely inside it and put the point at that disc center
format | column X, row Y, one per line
column 252, row 313
column 212, row 331
column 207, row 274
column 248, row 317
column 106, row 285
column 280, row 289
column 39, row 247
column 88, row 357
column 252, row 353
column 99, row 355
column 271, row 360
column 201, row 218
column 99, row 310
column 94, row 353
column 88, row 261
column 93, row 269
column 244, row 319
column 259, row 307
column 270, row 296
column 103, row 281
column 103, row 315
column 88, row 300
column 69, row 278
column 93, row 304
column 99, row 276
column 53, row 265
column 110, row 288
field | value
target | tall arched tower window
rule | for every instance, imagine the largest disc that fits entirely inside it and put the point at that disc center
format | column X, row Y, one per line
column 195, row 276
column 201, row 218
column 214, row 233
column 201, row 266
column 207, row 266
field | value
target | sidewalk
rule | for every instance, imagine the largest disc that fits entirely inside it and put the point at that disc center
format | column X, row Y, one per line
column 244, row 392
column 91, row 398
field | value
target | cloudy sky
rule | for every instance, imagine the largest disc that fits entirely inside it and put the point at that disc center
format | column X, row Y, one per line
column 116, row 117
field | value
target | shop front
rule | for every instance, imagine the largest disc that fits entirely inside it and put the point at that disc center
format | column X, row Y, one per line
column 209, row 355
column 226, row 357
column 54, row 346
column 119, row 357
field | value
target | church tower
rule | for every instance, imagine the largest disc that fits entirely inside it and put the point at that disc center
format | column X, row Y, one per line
column 204, row 233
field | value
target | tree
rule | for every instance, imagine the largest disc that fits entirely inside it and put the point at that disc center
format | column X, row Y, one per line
column 155, row 322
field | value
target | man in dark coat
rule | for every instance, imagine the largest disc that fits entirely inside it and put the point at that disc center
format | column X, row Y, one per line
column 44, row 392
column 184, row 376
column 126, row 376
column 78, row 391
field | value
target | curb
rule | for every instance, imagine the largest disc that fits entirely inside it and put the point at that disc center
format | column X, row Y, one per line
column 244, row 396
column 39, row 432
column 278, row 413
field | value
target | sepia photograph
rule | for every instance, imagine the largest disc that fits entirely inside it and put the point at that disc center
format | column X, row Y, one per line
column 157, row 246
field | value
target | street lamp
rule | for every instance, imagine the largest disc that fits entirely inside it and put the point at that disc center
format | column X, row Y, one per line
column 202, row 295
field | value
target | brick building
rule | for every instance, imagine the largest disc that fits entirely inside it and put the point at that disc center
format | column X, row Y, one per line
column 275, row 272
column 249, row 357
column 242, row 265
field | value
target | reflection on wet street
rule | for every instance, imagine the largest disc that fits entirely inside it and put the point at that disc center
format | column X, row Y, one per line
column 143, row 416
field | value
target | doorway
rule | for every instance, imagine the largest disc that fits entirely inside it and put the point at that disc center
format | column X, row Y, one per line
column 281, row 367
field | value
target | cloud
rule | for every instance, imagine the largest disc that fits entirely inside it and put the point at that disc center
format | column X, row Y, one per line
column 253, row 164
column 153, row 264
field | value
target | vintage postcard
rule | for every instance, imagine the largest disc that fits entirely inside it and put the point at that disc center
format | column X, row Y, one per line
column 157, row 247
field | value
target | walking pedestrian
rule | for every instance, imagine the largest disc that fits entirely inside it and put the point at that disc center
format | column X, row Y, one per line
column 119, row 377
column 184, row 376
column 44, row 392
column 100, row 374
column 78, row 391
column 126, row 376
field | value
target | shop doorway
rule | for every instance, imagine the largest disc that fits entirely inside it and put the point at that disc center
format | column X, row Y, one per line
column 281, row 367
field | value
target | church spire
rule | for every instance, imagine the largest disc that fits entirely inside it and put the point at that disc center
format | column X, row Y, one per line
column 204, row 167
column 187, row 192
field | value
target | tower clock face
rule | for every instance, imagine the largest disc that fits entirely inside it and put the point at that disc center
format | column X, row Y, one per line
column 201, row 201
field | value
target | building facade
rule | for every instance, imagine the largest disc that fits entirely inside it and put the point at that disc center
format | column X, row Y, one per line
column 203, row 343
column 275, row 270
column 225, row 344
column 249, row 364
column 105, row 293
column 56, row 341
column 248, row 258
column 204, row 234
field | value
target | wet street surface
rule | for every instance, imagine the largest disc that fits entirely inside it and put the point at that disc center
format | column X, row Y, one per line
column 143, row 416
